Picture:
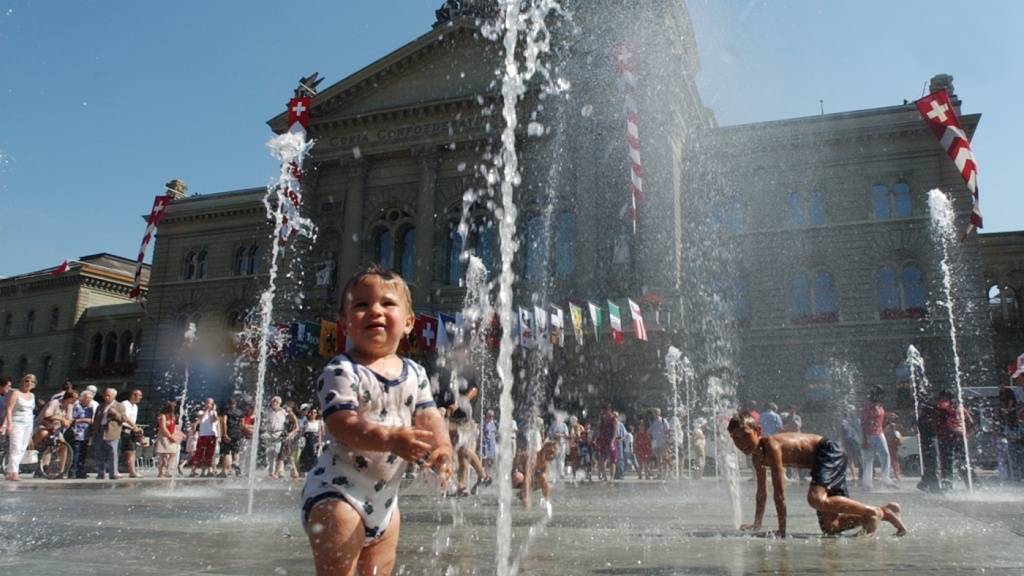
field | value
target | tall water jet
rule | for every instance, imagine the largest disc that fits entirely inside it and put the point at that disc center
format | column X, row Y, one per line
column 943, row 219
column 919, row 388
column 673, row 359
column 290, row 149
column 514, row 19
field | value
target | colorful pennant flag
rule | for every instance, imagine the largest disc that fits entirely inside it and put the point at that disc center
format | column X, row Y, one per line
column 595, row 319
column 425, row 331
column 937, row 110
column 60, row 269
column 155, row 214
column 526, row 333
column 445, row 331
column 557, row 326
column 328, row 338
column 638, row 320
column 576, row 317
column 540, row 319
column 616, row 323
column 624, row 62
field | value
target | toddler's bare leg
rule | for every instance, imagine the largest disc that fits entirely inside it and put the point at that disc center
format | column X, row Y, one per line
column 378, row 559
column 336, row 536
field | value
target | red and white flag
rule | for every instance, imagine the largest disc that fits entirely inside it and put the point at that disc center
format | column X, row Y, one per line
column 937, row 110
column 1016, row 367
column 155, row 215
column 638, row 320
column 624, row 62
column 60, row 269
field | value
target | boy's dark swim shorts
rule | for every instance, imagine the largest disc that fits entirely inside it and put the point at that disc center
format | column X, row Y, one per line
column 829, row 468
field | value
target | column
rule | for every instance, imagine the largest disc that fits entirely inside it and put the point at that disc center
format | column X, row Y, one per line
column 423, row 282
column 352, row 229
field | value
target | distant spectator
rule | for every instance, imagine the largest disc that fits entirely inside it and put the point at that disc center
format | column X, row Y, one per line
column 131, row 433
column 894, row 439
column 660, row 432
column 206, row 427
column 272, row 435
column 81, row 421
column 770, row 421
column 952, row 431
column 873, row 444
column 168, row 439
column 107, row 434
column 230, row 436
column 313, row 433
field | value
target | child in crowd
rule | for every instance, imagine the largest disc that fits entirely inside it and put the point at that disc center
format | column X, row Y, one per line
column 379, row 411
column 539, row 480
column 827, row 493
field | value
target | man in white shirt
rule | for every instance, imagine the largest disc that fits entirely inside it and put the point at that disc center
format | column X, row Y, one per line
column 130, row 431
column 660, row 431
column 558, row 433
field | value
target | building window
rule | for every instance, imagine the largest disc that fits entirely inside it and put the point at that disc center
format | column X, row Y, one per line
column 482, row 242
column 30, row 322
column 190, row 266
column 22, row 366
column 96, row 351
column 534, row 248
column 813, row 298
column 8, row 323
column 54, row 318
column 805, row 209
column 892, row 201
column 382, row 247
column 901, row 293
column 201, row 265
column 453, row 260
column 407, row 254
column 110, row 349
column 254, row 259
column 241, row 261
column 1003, row 303
column 741, row 304
column 1, row 366
column 818, row 390
column 565, row 245
column 125, row 347
column 45, row 368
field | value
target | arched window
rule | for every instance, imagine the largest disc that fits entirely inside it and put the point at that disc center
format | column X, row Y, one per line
column 30, row 322
column 483, row 243
column 110, row 349
column 453, row 260
column 901, row 293
column 800, row 293
column 201, row 265
column 54, row 318
column 96, row 350
column 565, row 245
column 534, row 247
column 2, row 366
column 815, row 209
column 8, row 323
column 254, row 259
column 813, row 302
column 125, row 345
column 824, row 299
column 190, row 266
column 241, row 261
column 741, row 310
column 903, row 206
column 44, row 370
column 794, row 210
column 22, row 366
column 382, row 247
column 407, row 254
column 880, row 202
column 892, row 202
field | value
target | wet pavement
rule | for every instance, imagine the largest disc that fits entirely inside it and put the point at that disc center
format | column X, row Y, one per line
column 199, row 527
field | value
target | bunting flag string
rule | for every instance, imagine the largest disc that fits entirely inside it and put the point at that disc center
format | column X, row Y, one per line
column 624, row 62
column 155, row 215
column 937, row 111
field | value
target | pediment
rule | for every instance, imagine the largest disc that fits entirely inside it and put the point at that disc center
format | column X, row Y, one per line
column 449, row 63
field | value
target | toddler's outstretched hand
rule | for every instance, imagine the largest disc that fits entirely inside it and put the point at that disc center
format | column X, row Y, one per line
column 441, row 463
column 410, row 444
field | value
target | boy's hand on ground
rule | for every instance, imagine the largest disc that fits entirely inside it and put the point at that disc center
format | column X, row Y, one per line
column 410, row 444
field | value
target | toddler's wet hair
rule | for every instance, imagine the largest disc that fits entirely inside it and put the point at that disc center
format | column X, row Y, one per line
column 386, row 276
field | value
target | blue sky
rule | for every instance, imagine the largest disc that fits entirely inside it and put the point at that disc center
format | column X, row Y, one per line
column 103, row 102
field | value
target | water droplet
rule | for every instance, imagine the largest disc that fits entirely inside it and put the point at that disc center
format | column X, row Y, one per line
column 587, row 110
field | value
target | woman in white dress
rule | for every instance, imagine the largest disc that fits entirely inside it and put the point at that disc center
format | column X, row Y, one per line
column 18, row 424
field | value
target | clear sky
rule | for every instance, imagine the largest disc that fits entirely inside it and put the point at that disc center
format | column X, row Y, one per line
column 101, row 102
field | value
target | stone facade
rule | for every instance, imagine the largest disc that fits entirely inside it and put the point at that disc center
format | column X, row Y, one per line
column 79, row 325
column 1003, row 256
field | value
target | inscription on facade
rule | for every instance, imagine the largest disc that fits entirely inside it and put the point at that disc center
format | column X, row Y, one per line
column 410, row 132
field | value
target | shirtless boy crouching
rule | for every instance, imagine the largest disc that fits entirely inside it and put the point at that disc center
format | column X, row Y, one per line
column 837, row 512
column 539, row 469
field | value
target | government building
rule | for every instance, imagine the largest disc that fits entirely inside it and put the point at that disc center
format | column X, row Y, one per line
column 789, row 260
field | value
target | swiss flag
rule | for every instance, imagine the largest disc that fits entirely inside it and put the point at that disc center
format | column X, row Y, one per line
column 298, row 111
column 60, row 269
column 423, row 337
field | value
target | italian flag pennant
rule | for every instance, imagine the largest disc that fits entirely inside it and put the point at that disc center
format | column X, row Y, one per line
column 616, row 322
